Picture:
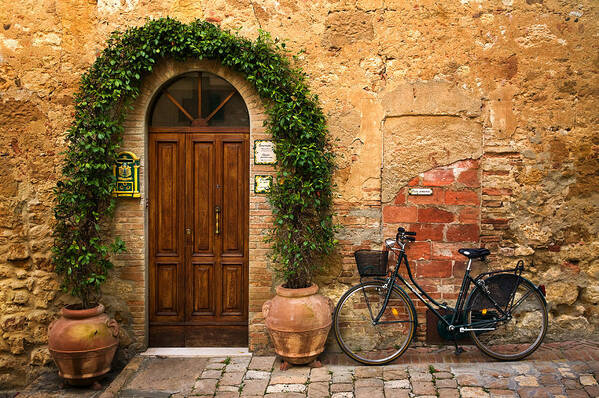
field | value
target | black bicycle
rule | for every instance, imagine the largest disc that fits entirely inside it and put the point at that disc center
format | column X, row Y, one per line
column 505, row 314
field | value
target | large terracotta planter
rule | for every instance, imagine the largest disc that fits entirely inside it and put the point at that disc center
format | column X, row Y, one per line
column 82, row 344
column 298, row 321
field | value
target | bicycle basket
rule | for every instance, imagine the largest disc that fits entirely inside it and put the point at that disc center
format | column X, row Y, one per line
column 372, row 262
column 501, row 287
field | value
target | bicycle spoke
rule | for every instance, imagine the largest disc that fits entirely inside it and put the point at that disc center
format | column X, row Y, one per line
column 367, row 342
column 515, row 337
column 380, row 322
column 368, row 304
column 521, row 300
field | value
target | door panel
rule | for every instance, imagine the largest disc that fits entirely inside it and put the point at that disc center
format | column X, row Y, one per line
column 199, row 198
column 166, row 284
column 233, row 200
column 166, row 248
column 203, row 155
column 232, row 289
column 227, row 201
column 203, row 286
column 167, row 243
column 202, row 167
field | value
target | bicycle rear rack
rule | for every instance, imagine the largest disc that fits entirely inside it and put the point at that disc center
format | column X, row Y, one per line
column 517, row 270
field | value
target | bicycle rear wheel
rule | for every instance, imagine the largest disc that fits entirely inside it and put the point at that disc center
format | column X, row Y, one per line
column 364, row 341
column 518, row 336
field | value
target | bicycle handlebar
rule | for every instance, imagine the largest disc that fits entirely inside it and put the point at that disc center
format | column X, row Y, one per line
column 402, row 234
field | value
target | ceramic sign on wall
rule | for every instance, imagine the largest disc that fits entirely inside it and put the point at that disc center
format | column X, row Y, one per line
column 264, row 152
column 262, row 184
column 126, row 171
column 420, row 191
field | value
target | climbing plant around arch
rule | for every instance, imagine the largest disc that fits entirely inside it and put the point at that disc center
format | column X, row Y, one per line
column 303, row 231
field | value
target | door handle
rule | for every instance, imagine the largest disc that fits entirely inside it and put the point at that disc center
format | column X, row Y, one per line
column 217, row 210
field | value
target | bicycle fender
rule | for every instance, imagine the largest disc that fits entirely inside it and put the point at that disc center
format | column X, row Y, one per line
column 537, row 289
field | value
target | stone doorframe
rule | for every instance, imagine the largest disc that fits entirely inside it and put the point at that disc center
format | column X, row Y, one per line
column 126, row 291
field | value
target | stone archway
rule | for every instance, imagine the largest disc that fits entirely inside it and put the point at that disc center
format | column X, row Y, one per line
column 131, row 219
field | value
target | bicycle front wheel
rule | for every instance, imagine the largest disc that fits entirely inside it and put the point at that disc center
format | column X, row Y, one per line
column 366, row 341
column 518, row 336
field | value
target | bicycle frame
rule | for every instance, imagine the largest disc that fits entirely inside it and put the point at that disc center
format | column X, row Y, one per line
column 432, row 303
column 488, row 313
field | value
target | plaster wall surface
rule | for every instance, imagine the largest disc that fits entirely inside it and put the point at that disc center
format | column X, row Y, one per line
column 491, row 104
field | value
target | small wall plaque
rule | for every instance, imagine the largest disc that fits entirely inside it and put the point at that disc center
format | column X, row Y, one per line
column 262, row 184
column 420, row 191
column 126, row 171
column 264, row 152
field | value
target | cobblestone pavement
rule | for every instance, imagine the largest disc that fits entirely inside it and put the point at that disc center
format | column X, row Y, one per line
column 556, row 370
column 260, row 376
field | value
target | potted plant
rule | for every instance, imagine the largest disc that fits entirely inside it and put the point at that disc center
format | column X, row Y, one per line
column 84, row 339
column 298, row 318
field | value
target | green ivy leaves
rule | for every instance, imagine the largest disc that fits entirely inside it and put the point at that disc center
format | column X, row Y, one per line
column 303, row 231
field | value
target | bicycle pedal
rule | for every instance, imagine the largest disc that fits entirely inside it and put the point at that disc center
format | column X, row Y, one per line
column 459, row 350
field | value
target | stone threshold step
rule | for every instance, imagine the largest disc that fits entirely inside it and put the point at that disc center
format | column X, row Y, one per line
column 178, row 352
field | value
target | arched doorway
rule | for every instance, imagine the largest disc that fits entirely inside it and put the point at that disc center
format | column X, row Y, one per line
column 198, row 202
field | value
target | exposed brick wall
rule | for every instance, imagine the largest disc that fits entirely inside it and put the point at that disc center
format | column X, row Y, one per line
column 444, row 222
column 498, row 164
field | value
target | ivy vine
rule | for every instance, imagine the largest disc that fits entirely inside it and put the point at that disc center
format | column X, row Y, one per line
column 303, row 231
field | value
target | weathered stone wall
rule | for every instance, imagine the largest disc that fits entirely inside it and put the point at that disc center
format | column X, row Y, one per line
column 410, row 89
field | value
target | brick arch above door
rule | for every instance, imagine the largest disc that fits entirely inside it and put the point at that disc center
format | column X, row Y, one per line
column 129, row 288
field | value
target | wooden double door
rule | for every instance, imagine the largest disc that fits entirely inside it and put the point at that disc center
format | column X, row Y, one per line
column 198, row 238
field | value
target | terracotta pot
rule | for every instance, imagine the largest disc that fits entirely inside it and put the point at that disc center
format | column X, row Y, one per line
column 298, row 321
column 82, row 344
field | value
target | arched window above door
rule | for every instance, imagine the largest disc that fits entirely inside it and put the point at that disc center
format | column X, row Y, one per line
column 199, row 99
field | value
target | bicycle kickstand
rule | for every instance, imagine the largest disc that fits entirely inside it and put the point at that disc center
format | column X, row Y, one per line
column 458, row 349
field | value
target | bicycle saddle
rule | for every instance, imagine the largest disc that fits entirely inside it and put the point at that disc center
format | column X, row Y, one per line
column 475, row 253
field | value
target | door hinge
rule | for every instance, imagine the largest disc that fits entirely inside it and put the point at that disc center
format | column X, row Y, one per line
column 147, row 203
